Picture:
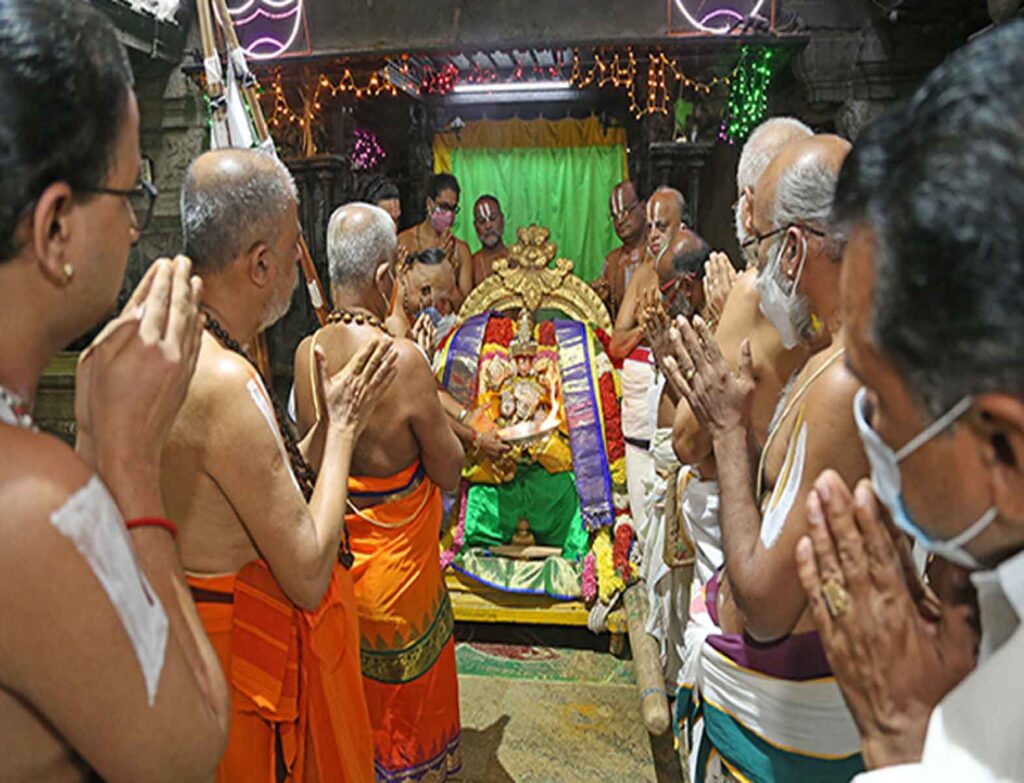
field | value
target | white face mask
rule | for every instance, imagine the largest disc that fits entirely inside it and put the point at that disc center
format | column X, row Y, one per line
column 886, row 478
column 787, row 310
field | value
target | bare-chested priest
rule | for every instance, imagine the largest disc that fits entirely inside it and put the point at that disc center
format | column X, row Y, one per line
column 442, row 205
column 627, row 213
column 741, row 319
column 489, row 222
column 764, row 502
column 260, row 531
column 105, row 671
column 405, row 457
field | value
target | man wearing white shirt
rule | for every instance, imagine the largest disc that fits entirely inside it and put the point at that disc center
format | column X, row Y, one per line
column 933, row 301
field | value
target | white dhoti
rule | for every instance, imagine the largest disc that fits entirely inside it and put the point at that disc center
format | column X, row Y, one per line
column 699, row 504
column 641, row 390
column 763, row 713
column 668, row 588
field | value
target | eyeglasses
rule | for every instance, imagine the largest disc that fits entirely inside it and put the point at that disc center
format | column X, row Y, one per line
column 447, row 207
column 141, row 199
column 759, row 238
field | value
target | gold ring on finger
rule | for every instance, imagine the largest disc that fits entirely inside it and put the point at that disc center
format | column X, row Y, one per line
column 689, row 374
column 836, row 598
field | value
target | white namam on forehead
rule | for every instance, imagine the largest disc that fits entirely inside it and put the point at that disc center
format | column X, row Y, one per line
column 618, row 202
column 485, row 210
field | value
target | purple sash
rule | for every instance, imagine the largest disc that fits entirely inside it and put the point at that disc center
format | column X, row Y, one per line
column 586, row 437
column 460, row 370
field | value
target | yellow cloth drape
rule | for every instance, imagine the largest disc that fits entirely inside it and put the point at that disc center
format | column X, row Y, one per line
column 509, row 134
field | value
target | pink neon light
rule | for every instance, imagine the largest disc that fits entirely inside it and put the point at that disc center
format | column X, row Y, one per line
column 701, row 25
column 267, row 42
column 267, row 15
column 722, row 12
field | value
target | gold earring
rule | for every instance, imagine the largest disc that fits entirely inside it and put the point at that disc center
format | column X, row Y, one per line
column 69, row 272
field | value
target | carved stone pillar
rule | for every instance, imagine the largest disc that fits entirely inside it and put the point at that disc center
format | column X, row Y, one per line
column 678, row 165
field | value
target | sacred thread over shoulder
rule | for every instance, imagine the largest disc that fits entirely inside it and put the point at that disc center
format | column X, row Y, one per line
column 92, row 522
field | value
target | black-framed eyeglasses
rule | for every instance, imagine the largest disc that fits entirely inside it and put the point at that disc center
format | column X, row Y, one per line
column 447, row 207
column 759, row 238
column 141, row 199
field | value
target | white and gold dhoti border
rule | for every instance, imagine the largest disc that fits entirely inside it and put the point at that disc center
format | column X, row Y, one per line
column 762, row 713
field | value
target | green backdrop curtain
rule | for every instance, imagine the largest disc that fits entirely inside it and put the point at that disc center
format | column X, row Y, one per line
column 544, row 172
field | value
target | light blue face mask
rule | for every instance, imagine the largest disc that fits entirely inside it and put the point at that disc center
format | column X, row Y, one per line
column 885, row 475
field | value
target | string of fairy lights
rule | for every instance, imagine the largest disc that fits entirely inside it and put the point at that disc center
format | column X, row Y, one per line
column 652, row 82
column 748, row 99
column 621, row 71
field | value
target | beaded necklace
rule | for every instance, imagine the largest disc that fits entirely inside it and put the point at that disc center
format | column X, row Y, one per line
column 304, row 472
column 347, row 317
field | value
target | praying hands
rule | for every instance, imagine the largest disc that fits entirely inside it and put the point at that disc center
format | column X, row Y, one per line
column 719, row 277
column 896, row 649
column 719, row 396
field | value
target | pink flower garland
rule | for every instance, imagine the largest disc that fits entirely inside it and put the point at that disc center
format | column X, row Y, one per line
column 588, row 583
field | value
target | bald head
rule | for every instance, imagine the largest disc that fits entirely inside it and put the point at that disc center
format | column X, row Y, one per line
column 682, row 256
column 799, row 183
column 230, row 200
column 664, row 219
column 798, row 186
column 360, row 238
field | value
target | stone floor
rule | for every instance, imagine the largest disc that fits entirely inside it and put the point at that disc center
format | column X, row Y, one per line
column 536, row 714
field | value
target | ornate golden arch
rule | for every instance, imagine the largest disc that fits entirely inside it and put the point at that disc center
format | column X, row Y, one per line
column 524, row 280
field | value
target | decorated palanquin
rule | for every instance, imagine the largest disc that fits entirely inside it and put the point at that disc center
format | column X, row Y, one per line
column 528, row 361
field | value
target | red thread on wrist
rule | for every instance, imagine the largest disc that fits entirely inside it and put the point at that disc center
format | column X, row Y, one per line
column 166, row 524
column 474, row 436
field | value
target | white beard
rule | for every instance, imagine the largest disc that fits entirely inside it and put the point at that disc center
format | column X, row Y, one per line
column 278, row 307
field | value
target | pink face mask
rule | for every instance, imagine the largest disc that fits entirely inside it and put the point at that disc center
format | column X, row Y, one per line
column 442, row 219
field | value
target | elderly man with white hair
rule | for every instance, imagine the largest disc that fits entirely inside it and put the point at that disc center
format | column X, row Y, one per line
column 763, row 703
column 260, row 531
column 407, row 455
column 773, row 364
column 934, row 313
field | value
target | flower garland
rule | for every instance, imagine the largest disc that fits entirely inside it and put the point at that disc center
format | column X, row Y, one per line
column 588, row 582
column 609, row 583
column 448, row 555
column 620, row 552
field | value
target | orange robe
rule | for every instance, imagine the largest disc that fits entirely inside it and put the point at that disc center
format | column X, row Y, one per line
column 298, row 712
column 405, row 627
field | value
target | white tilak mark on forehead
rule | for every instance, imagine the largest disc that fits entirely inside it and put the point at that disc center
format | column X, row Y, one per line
column 262, row 399
column 617, row 206
column 485, row 212
column 654, row 211
column 92, row 522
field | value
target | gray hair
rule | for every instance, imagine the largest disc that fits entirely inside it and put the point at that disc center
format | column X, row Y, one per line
column 360, row 237
column 940, row 180
column 804, row 195
column 225, row 210
column 765, row 143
